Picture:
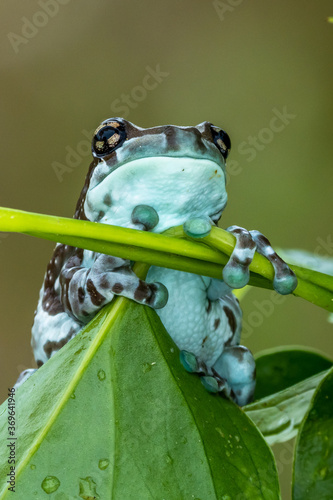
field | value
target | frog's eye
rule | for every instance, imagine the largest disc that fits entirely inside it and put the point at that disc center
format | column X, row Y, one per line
column 222, row 141
column 107, row 138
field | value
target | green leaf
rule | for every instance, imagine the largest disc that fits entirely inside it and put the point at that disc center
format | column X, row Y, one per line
column 280, row 368
column 313, row 466
column 279, row 415
column 310, row 260
column 171, row 250
column 114, row 415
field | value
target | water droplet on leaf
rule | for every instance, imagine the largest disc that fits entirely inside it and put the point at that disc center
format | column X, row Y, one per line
column 146, row 367
column 88, row 488
column 50, row 484
column 103, row 463
column 323, row 472
column 101, row 374
column 220, row 432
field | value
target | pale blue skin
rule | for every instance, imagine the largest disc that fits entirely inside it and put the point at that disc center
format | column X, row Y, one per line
column 153, row 179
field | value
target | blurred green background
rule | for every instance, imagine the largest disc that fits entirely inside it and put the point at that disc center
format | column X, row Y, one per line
column 67, row 66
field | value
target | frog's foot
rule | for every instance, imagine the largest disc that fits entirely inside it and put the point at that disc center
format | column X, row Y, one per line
column 107, row 285
column 285, row 280
column 85, row 290
column 236, row 272
column 237, row 367
column 233, row 374
column 24, row 376
column 192, row 364
column 145, row 217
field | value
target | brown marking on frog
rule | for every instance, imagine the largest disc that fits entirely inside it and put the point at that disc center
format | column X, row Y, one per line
column 231, row 318
column 52, row 345
column 81, row 294
column 117, row 288
column 107, row 200
column 217, row 323
column 96, row 298
column 100, row 215
column 51, row 301
column 239, row 352
column 142, row 291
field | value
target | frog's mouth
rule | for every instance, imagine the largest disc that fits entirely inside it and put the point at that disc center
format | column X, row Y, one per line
column 178, row 188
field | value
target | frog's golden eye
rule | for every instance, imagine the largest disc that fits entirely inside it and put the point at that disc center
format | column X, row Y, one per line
column 222, row 141
column 108, row 137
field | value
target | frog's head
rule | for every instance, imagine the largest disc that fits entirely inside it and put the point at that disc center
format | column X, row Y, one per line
column 179, row 171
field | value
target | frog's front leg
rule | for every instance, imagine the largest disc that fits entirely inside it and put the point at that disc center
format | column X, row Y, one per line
column 84, row 290
column 236, row 272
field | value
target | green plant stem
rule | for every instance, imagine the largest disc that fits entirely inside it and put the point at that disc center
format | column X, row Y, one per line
column 173, row 249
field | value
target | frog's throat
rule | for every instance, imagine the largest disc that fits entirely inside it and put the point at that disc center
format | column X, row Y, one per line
column 178, row 188
column 104, row 168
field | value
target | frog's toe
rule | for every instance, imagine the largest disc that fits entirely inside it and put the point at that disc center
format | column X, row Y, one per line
column 189, row 361
column 159, row 296
column 235, row 276
column 236, row 273
column 237, row 366
column 146, row 216
column 286, row 283
column 24, row 376
column 198, row 227
column 211, row 384
column 192, row 364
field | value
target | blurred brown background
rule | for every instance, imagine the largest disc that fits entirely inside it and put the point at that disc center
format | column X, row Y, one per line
column 66, row 65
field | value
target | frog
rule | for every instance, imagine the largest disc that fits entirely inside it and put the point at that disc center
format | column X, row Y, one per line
column 151, row 179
